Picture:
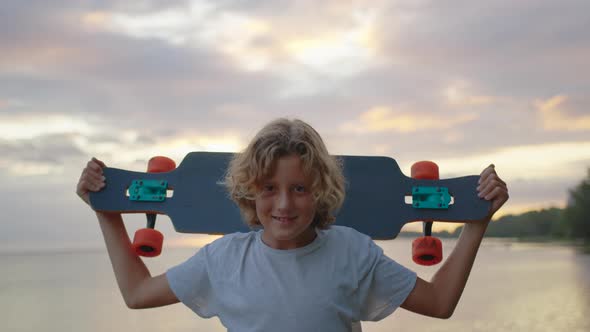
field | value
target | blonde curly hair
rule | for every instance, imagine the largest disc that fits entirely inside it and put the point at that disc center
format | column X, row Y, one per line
column 280, row 138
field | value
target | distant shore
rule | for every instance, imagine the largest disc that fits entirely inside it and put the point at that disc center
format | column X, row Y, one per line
column 578, row 243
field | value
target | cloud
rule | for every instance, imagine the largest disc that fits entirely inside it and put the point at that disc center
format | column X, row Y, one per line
column 458, row 94
column 242, row 38
column 27, row 126
column 304, row 59
column 41, row 143
column 383, row 118
column 41, row 155
column 519, row 48
column 558, row 113
column 527, row 162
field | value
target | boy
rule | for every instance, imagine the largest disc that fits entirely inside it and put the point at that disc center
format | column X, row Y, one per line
column 298, row 273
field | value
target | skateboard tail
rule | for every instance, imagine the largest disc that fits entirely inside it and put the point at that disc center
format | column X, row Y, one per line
column 120, row 184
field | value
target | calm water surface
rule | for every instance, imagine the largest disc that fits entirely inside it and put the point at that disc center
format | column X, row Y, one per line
column 513, row 287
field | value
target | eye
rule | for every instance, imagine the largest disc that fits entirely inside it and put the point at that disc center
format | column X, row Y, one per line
column 266, row 190
column 299, row 189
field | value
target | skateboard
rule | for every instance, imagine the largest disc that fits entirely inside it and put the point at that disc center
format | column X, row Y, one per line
column 380, row 199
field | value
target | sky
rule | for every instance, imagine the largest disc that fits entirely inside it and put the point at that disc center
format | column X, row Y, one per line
column 462, row 83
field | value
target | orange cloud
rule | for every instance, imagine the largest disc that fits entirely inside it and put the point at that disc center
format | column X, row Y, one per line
column 555, row 117
column 383, row 118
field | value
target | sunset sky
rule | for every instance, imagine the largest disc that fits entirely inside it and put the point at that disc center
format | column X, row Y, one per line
column 462, row 83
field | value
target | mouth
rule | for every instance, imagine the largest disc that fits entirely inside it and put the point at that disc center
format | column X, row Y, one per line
column 284, row 219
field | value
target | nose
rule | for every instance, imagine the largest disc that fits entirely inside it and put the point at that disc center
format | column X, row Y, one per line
column 284, row 200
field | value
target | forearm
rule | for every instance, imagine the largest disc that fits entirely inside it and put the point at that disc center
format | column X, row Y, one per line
column 450, row 280
column 129, row 269
column 439, row 297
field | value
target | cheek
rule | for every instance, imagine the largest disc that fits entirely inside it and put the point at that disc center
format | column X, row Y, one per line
column 262, row 205
column 308, row 204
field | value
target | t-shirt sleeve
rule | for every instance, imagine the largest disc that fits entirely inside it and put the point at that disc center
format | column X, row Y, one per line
column 190, row 281
column 384, row 285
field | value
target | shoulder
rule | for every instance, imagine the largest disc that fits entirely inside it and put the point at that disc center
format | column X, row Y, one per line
column 346, row 235
column 351, row 241
column 354, row 249
column 230, row 243
column 343, row 231
column 234, row 238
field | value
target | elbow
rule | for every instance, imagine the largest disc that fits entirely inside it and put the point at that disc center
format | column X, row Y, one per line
column 133, row 296
column 445, row 315
column 445, row 307
column 132, row 302
column 135, row 305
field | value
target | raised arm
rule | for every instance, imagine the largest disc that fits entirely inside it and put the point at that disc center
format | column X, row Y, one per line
column 138, row 288
column 439, row 297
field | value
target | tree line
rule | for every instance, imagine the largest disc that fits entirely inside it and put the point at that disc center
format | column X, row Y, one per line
column 571, row 222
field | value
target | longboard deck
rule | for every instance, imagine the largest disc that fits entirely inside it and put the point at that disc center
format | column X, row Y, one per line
column 375, row 203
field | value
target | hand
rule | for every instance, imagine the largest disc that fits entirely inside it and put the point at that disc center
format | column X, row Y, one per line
column 91, row 179
column 492, row 188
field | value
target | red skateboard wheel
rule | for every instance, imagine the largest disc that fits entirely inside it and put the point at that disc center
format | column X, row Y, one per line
column 147, row 242
column 427, row 250
column 160, row 164
column 425, row 170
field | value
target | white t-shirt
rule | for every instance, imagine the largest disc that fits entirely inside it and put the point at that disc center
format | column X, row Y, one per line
column 339, row 278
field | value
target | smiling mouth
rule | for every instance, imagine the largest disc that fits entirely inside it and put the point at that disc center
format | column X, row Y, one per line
column 284, row 219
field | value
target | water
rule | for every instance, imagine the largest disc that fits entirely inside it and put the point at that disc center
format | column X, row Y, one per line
column 513, row 287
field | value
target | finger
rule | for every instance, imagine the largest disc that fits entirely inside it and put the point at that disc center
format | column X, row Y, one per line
column 485, row 181
column 83, row 195
column 487, row 170
column 485, row 192
column 496, row 193
column 94, row 166
column 489, row 174
column 89, row 172
column 500, row 197
column 94, row 176
column 87, row 185
column 81, row 189
column 490, row 185
column 494, row 176
column 99, row 162
column 486, row 173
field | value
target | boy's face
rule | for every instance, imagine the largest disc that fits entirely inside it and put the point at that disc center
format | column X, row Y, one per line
column 285, row 206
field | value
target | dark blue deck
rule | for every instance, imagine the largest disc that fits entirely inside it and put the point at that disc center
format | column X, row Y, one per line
column 374, row 205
